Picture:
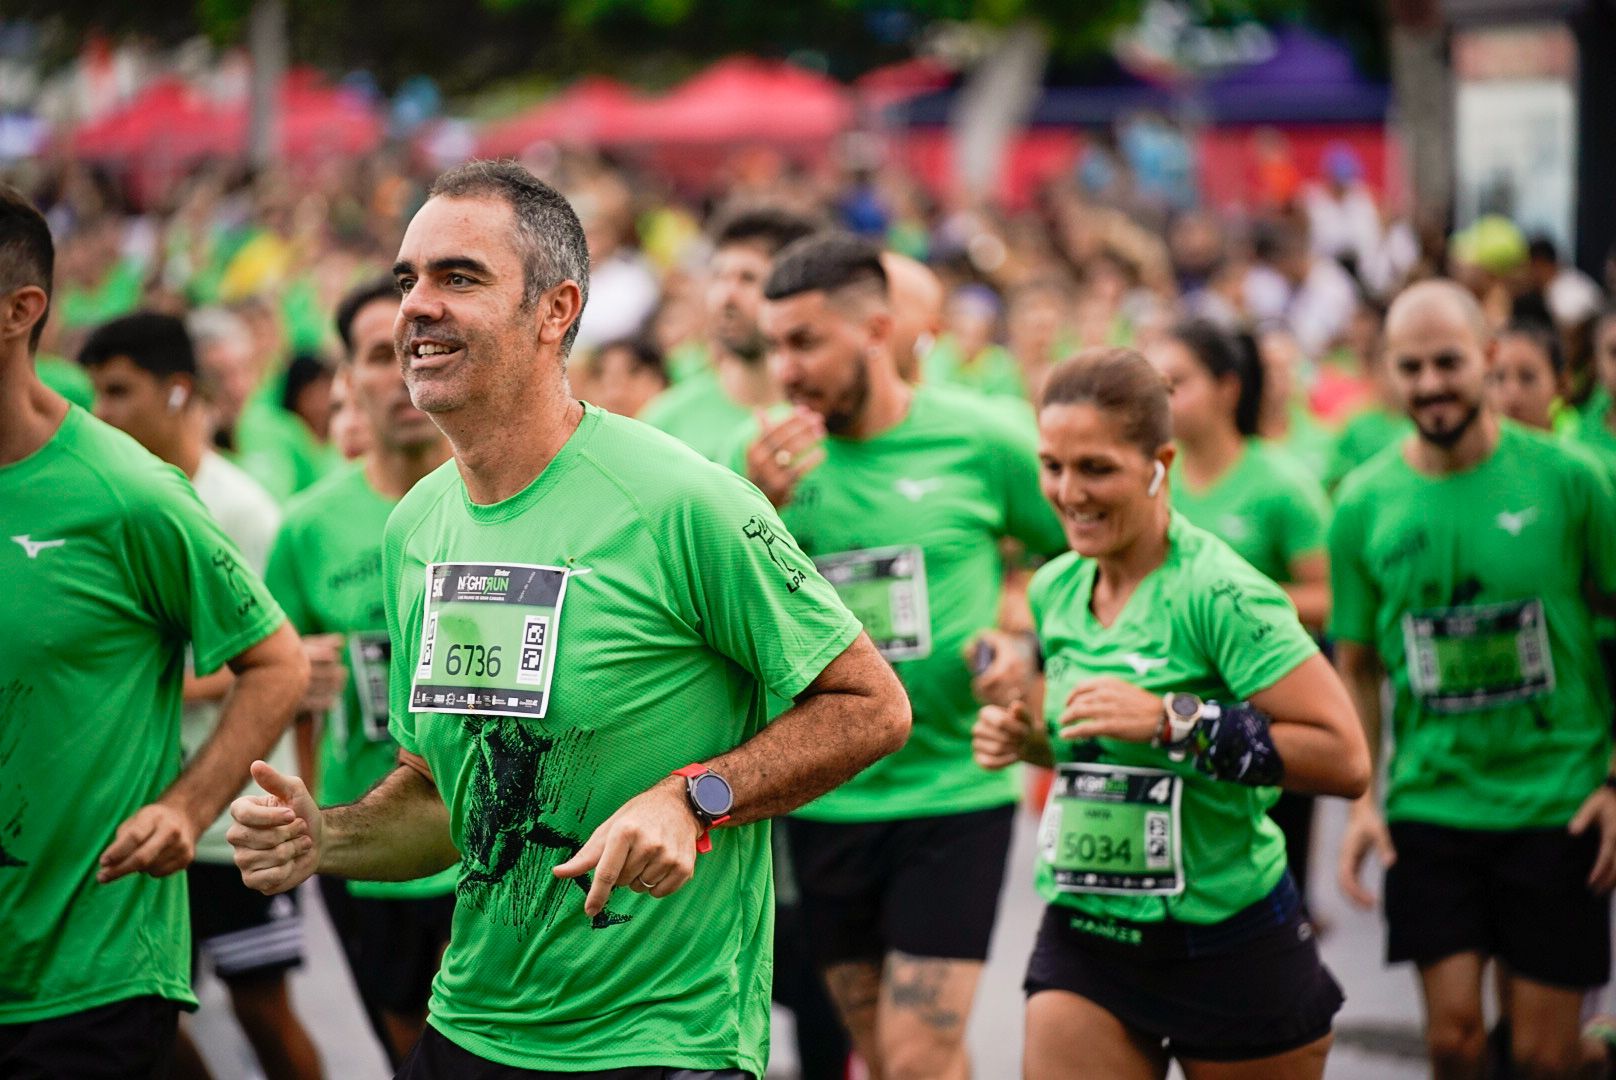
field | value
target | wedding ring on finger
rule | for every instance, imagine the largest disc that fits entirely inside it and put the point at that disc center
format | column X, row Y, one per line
column 782, row 458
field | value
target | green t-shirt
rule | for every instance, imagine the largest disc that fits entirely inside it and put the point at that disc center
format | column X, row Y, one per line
column 951, row 479
column 275, row 449
column 992, row 371
column 689, row 360
column 1594, row 431
column 326, row 571
column 1204, row 623
column 1470, row 587
column 117, row 294
column 1308, row 442
column 681, row 601
column 66, row 379
column 1361, row 438
column 698, row 413
column 110, row 566
column 1265, row 506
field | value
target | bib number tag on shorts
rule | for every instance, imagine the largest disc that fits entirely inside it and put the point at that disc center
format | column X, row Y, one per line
column 369, row 656
column 1114, row 830
column 885, row 588
column 1479, row 657
column 488, row 639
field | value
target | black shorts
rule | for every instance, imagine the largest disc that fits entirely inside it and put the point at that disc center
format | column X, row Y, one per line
column 241, row 932
column 125, row 1040
column 393, row 946
column 436, row 1058
column 1249, row 987
column 920, row 886
column 1520, row 895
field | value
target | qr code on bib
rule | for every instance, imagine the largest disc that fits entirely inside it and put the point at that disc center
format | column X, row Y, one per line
column 535, row 635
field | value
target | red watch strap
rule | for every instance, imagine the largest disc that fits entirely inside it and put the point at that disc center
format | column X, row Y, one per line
column 704, row 842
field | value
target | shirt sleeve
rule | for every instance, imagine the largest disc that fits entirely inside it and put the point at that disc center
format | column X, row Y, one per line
column 284, row 579
column 1247, row 627
column 1601, row 528
column 1028, row 516
column 1303, row 519
column 193, row 577
column 756, row 597
column 1352, row 592
column 402, row 601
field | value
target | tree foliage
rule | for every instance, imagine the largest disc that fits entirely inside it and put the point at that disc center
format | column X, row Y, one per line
column 467, row 48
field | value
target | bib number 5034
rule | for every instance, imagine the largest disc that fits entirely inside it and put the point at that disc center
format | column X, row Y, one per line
column 1089, row 848
column 478, row 661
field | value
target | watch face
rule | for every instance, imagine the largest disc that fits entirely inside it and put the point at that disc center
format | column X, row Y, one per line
column 712, row 795
column 1186, row 706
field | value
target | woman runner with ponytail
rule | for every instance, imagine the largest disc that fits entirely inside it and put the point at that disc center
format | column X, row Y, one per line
column 1179, row 692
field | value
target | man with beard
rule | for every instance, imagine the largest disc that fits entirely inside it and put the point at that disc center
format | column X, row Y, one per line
column 1462, row 560
column 902, row 507
column 587, row 619
column 326, row 571
column 704, row 409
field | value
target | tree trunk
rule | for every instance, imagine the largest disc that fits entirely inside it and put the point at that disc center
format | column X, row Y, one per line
column 266, row 43
column 1422, row 90
column 994, row 105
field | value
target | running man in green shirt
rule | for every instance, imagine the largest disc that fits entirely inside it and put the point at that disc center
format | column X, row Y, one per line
column 1462, row 560
column 1179, row 693
column 702, row 410
column 326, row 572
column 111, row 566
column 587, row 619
column 902, row 507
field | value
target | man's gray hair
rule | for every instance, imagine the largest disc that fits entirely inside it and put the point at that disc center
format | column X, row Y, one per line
column 549, row 236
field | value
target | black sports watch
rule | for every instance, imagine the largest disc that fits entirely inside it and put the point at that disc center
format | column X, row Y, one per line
column 711, row 800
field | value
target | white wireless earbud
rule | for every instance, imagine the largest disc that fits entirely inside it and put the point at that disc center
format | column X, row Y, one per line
column 177, row 398
column 1156, row 477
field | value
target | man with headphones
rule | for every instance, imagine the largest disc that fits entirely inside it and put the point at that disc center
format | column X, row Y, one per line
column 144, row 370
column 901, row 495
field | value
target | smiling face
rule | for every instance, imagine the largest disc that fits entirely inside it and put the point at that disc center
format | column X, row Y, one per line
column 1096, row 479
column 463, row 334
column 1437, row 367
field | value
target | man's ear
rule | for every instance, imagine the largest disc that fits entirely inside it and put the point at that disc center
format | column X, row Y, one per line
column 21, row 310
column 558, row 308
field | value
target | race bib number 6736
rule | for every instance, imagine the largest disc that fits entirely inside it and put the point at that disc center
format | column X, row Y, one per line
column 488, row 639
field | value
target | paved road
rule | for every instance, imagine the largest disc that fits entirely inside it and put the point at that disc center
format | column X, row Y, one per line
column 1377, row 1032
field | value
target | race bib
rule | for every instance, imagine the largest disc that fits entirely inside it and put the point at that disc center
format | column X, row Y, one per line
column 488, row 639
column 885, row 588
column 1479, row 657
column 369, row 655
column 1114, row 829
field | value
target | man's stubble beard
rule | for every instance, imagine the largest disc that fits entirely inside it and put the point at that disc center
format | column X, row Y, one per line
column 1447, row 440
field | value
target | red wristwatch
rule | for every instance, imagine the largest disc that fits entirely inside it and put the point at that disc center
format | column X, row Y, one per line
column 710, row 798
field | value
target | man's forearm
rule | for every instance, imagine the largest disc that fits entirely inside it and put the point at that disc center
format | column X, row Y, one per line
column 1363, row 675
column 261, row 701
column 823, row 741
column 398, row 832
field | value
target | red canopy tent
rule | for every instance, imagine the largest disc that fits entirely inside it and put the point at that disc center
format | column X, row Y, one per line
column 172, row 121
column 593, row 110
column 744, row 100
column 169, row 119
